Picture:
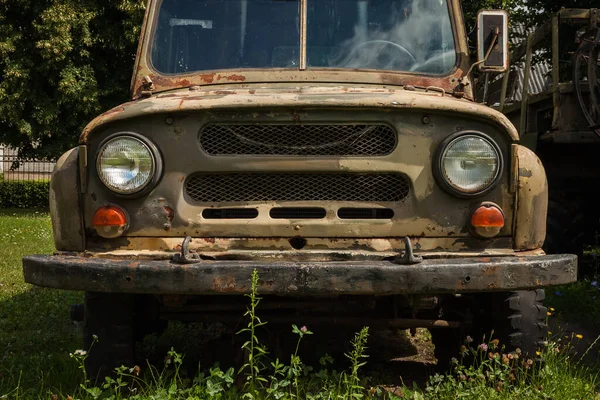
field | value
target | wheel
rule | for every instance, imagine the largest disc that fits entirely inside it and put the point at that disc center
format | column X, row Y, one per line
column 526, row 317
column 517, row 319
column 110, row 318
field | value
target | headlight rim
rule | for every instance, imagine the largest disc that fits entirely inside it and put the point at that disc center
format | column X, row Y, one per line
column 154, row 152
column 438, row 169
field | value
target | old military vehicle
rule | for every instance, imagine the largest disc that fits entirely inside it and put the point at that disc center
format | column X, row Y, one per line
column 333, row 146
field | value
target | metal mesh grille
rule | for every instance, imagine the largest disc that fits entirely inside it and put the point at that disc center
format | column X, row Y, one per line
column 219, row 188
column 298, row 140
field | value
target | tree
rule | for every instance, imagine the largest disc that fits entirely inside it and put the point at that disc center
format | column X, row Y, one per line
column 62, row 62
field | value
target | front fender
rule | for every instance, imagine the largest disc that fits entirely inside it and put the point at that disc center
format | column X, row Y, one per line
column 65, row 204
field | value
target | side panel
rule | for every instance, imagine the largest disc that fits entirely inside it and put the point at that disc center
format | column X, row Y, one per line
column 532, row 200
column 65, row 204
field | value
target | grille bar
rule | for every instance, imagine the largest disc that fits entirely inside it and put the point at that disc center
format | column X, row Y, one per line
column 298, row 140
column 263, row 187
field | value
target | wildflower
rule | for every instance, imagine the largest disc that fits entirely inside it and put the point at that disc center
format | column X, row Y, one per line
column 578, row 336
column 494, row 343
column 552, row 309
column 454, row 360
column 538, row 353
column 548, row 313
column 304, row 329
column 505, row 359
column 595, row 283
column 54, row 397
column 483, row 347
column 511, row 377
column 490, row 355
column 463, row 349
column 549, row 333
column 463, row 377
column 80, row 352
column 469, row 339
column 510, row 356
column 518, row 351
column 558, row 293
column 95, row 337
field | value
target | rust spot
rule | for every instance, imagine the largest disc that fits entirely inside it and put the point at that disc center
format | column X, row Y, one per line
column 296, row 117
column 207, row 78
column 252, row 91
column 181, row 178
column 170, row 212
column 209, row 240
column 224, row 284
column 224, row 92
column 236, row 78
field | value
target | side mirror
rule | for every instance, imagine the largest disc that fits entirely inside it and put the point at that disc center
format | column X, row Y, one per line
column 492, row 40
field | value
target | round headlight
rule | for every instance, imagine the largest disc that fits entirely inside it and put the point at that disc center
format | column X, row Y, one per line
column 470, row 164
column 126, row 164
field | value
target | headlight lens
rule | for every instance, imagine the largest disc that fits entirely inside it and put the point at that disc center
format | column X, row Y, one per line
column 470, row 164
column 125, row 164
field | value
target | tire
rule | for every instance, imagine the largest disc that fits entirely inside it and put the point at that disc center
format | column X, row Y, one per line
column 517, row 319
column 526, row 328
column 110, row 318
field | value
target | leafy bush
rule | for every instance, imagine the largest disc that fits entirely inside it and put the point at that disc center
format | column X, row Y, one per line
column 24, row 194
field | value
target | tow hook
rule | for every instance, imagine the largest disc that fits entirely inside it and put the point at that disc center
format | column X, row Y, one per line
column 409, row 257
column 185, row 257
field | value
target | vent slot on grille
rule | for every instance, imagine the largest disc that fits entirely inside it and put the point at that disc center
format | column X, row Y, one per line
column 365, row 213
column 298, row 140
column 298, row 213
column 230, row 213
column 263, row 187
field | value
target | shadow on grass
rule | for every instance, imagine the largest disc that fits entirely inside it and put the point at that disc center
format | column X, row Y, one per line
column 37, row 336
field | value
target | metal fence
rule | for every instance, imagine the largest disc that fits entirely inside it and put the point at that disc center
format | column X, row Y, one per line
column 13, row 168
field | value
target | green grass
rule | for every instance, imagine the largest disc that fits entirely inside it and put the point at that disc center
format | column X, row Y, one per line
column 36, row 333
column 36, row 337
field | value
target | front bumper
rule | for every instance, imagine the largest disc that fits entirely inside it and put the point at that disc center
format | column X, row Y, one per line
column 301, row 278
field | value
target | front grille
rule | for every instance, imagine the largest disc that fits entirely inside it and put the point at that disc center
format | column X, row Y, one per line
column 298, row 140
column 263, row 187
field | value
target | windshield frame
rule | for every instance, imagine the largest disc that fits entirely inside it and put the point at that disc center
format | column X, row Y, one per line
column 166, row 81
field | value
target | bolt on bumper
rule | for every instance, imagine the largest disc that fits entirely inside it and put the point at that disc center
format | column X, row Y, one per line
column 294, row 278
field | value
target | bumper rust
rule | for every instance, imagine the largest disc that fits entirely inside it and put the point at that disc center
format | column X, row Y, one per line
column 459, row 275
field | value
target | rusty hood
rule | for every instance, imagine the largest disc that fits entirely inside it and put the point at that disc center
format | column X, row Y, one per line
column 277, row 96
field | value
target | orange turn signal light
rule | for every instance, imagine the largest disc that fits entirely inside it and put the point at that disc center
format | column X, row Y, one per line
column 109, row 216
column 487, row 216
column 110, row 221
column 487, row 220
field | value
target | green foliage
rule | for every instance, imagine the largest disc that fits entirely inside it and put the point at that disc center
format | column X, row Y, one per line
column 255, row 351
column 24, row 194
column 486, row 372
column 62, row 62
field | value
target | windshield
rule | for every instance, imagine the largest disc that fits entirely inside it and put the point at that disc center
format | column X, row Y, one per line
column 400, row 35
